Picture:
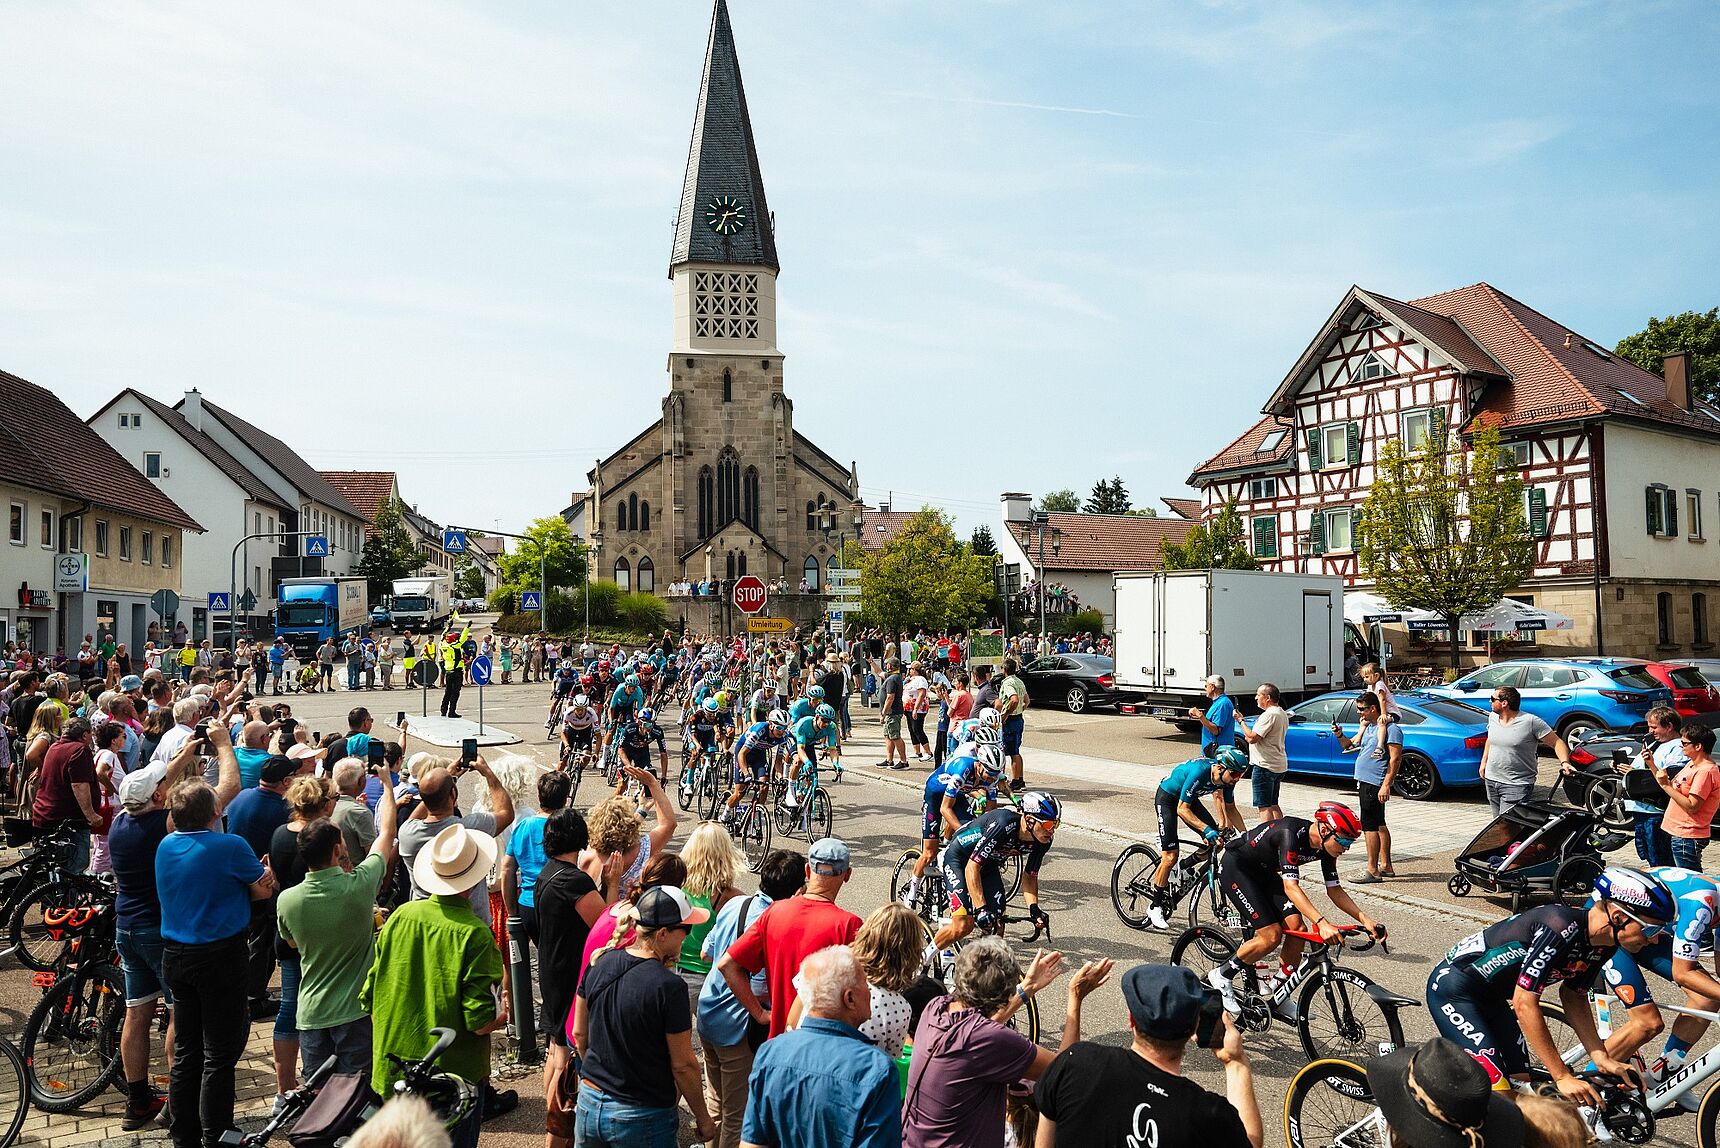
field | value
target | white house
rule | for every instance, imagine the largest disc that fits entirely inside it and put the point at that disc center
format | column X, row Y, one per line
column 1081, row 553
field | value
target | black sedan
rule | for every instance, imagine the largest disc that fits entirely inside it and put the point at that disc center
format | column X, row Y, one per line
column 1073, row 681
column 1596, row 785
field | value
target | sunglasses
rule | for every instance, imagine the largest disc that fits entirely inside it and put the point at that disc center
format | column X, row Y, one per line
column 1649, row 928
column 1346, row 842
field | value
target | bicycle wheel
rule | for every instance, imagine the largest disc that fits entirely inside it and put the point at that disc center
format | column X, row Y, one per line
column 1207, row 904
column 576, row 773
column 1337, row 1019
column 1132, row 884
column 822, row 814
column 1329, row 1105
column 755, row 834
column 71, row 1041
column 1203, row 949
column 1565, row 1038
column 900, row 875
column 14, row 1093
column 710, row 793
column 36, row 947
column 686, row 792
column 1010, row 871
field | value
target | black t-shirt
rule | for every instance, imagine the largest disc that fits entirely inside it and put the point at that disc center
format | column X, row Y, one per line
column 561, row 939
column 1104, row 1097
column 24, row 712
column 132, row 843
column 893, row 689
column 289, row 869
column 634, row 1002
column 834, row 684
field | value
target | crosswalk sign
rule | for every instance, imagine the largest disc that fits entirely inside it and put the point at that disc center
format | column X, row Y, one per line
column 219, row 603
column 316, row 546
column 454, row 541
column 531, row 600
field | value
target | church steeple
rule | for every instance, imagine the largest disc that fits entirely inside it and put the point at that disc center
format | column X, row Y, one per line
column 724, row 218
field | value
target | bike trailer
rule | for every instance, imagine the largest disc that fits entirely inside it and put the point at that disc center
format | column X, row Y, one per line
column 1524, row 849
column 340, row 1108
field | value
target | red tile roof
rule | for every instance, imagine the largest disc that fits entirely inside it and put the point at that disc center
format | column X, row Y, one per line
column 1244, row 451
column 365, row 489
column 880, row 526
column 44, row 445
column 1105, row 541
column 1184, row 507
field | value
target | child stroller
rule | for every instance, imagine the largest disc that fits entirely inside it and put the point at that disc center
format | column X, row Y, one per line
column 1537, row 848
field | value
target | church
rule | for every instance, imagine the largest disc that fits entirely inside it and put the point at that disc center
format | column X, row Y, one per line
column 722, row 484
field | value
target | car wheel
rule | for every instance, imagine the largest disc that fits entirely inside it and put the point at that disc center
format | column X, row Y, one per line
column 1579, row 727
column 1075, row 700
column 1605, row 799
column 1417, row 779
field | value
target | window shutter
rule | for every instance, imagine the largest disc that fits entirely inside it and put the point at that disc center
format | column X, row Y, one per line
column 1353, row 442
column 1670, row 498
column 1315, row 461
column 1436, row 432
column 1356, row 528
column 1317, row 535
column 1654, row 505
column 1537, row 512
column 1266, row 537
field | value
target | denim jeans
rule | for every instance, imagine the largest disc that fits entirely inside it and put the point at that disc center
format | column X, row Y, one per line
column 1503, row 795
column 352, row 671
column 601, row 1121
column 351, row 1044
column 1652, row 843
column 210, row 1026
column 287, row 1016
column 1687, row 852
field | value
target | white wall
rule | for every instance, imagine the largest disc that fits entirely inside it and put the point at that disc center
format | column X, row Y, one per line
column 1636, row 457
column 29, row 563
column 1095, row 588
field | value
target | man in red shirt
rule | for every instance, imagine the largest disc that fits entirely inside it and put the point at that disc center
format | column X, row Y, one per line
column 788, row 932
column 68, row 793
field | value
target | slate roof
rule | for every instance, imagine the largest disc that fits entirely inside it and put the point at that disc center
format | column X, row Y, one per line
column 365, row 489
column 722, row 161
column 1244, row 450
column 44, row 445
column 211, row 450
column 1184, row 507
column 284, row 459
column 1104, row 541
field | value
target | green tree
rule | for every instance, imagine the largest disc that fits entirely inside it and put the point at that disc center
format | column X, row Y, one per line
column 1060, row 502
column 389, row 553
column 1444, row 529
column 564, row 556
column 1220, row 546
column 468, row 580
column 924, row 576
column 1143, row 512
column 982, row 542
column 1694, row 331
column 1110, row 497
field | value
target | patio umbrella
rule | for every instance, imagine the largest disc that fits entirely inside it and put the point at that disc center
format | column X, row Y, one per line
column 1508, row 614
column 1365, row 609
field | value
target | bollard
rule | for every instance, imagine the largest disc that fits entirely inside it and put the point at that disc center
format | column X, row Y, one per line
column 520, row 982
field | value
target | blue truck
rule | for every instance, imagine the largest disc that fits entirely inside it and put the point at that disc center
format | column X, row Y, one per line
column 313, row 610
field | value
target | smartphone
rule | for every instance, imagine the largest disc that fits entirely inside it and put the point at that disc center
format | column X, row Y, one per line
column 377, row 752
column 468, row 751
column 1209, row 1030
column 399, row 719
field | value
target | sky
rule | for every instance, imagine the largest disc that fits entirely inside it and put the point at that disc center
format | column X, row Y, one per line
column 1024, row 246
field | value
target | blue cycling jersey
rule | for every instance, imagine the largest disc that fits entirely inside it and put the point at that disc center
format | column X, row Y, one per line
column 1698, row 900
column 757, row 742
column 626, row 698
column 1192, row 780
column 800, row 710
column 954, row 778
column 807, row 735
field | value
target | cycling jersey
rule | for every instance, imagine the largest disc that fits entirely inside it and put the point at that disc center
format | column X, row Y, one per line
column 755, row 748
column 808, row 736
column 802, row 708
column 962, row 732
column 579, row 718
column 761, row 703
column 1531, row 951
column 1192, row 780
column 1690, row 938
column 625, row 700
column 1280, row 847
column 702, row 728
column 565, row 679
column 958, row 779
column 636, row 737
column 994, row 837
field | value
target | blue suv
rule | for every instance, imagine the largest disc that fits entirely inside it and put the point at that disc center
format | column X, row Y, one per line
column 1578, row 697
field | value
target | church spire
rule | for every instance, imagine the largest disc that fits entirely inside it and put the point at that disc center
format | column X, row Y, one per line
column 724, row 217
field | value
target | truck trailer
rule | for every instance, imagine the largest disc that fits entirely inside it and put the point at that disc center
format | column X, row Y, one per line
column 313, row 610
column 422, row 603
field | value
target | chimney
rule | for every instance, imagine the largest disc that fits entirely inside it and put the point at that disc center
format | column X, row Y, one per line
column 1567, row 340
column 1676, row 368
column 192, row 408
column 1017, row 507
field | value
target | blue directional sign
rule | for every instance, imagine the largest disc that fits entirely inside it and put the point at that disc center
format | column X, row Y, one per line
column 481, row 670
column 220, row 603
column 316, row 546
column 454, row 541
column 531, row 600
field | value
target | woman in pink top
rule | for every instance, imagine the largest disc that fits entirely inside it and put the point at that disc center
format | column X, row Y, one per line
column 662, row 869
column 1692, row 797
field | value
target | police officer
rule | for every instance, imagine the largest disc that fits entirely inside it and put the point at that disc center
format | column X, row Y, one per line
column 453, row 675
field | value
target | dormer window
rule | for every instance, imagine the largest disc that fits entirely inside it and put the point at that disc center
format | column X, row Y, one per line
column 1372, row 367
column 1271, row 442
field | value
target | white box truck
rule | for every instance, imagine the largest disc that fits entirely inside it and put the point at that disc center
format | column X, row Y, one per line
column 421, row 603
column 1175, row 627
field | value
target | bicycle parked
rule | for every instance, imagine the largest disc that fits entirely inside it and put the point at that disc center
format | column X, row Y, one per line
column 14, row 1094
column 70, row 1042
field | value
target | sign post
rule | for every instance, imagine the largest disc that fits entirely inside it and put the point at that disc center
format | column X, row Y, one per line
column 481, row 672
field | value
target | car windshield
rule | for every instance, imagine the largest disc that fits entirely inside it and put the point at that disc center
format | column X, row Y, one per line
column 1688, row 678
column 1635, row 677
column 1458, row 712
column 411, row 602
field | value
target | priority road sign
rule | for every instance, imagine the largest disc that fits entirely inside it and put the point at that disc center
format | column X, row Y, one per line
column 481, row 670
column 220, row 603
column 164, row 602
column 531, row 600
column 316, row 546
column 454, row 541
column 749, row 594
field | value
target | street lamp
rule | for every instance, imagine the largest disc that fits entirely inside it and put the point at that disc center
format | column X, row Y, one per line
column 591, row 552
column 1043, row 529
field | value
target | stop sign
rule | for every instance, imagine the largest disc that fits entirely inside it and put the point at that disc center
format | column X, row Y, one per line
column 748, row 594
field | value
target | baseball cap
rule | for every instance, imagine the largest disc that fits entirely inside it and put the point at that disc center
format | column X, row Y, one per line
column 1164, row 1000
column 666, row 907
column 277, row 769
column 140, row 785
column 129, row 683
column 828, row 856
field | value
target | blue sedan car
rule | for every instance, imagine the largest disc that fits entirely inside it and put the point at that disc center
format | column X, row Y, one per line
column 1441, row 741
column 1578, row 697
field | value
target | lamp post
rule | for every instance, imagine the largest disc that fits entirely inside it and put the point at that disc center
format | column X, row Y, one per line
column 592, row 550
column 1043, row 529
column 233, row 578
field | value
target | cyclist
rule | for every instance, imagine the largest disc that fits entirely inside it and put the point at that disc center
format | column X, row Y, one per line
column 948, row 803
column 564, row 681
column 1178, row 799
column 803, row 707
column 1486, row 993
column 964, row 731
column 1261, row 877
column 704, row 728
column 763, row 701
column 708, row 685
column 634, row 735
column 626, row 699
column 578, row 728
column 753, row 753
column 972, row 864
column 809, row 734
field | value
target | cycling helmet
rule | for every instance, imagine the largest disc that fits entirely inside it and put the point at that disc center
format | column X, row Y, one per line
column 632, row 679
column 1339, row 818
column 603, row 664
column 647, row 715
column 713, row 679
column 586, row 680
column 1038, row 804
column 647, row 670
column 828, row 713
column 990, row 758
column 711, row 705
column 990, row 718
column 985, row 735
column 815, row 693
column 1637, row 893
column 580, row 701
column 778, row 717
column 722, row 697
column 1234, row 760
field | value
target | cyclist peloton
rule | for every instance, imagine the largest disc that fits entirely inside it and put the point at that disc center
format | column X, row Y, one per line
column 1486, row 994
column 634, row 734
column 754, row 751
column 803, row 706
column 578, row 727
column 1261, row 877
column 948, row 804
column 972, row 864
column 1178, row 799
column 809, row 734
column 705, row 727
column 627, row 699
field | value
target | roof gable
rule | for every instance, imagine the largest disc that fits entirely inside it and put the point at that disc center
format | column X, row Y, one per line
column 283, row 458
column 217, row 454
column 365, row 489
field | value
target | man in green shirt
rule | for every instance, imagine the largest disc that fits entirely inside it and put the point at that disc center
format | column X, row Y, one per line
column 1011, row 706
column 329, row 917
column 437, row 966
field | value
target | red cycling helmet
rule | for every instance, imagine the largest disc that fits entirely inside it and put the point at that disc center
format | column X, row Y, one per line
column 603, row 664
column 586, row 679
column 1339, row 818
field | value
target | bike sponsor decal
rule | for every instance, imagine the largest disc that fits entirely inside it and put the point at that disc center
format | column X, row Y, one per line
column 1463, row 1026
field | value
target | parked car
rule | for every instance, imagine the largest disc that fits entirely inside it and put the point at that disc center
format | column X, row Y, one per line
column 379, row 616
column 1441, row 741
column 1073, row 681
column 1578, row 697
column 1693, row 692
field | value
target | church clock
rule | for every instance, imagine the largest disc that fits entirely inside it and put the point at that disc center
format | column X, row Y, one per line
column 725, row 215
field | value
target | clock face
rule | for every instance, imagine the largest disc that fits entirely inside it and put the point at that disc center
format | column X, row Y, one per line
column 725, row 215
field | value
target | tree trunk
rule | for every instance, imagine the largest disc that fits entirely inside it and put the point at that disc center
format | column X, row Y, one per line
column 1451, row 621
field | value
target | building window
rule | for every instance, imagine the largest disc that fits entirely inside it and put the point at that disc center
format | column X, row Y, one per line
column 725, row 305
column 621, row 514
column 647, row 576
column 1270, row 443
column 809, row 574
column 707, row 503
column 130, row 420
column 1260, row 489
column 1334, row 446
column 166, row 550
column 47, row 535
column 101, row 538
column 728, row 388
column 645, row 515
column 1372, row 367
column 72, row 536
column 731, row 566
column 1517, row 454
column 728, row 486
column 148, row 552
column 1699, row 619
column 622, row 574
column 1422, row 427
column 16, row 529
column 1693, row 511
column 1535, row 511
column 1334, row 531
column 1265, row 534
column 749, row 497
column 1662, row 504
column 152, row 464
column 125, row 544
column 633, row 512
column 1663, row 619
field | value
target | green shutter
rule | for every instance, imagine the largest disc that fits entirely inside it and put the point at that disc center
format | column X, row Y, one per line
column 1671, row 499
column 1266, row 537
column 1654, row 505
column 1537, row 512
column 1436, row 433
column 1315, row 462
column 1353, row 442
column 1317, row 535
column 1356, row 529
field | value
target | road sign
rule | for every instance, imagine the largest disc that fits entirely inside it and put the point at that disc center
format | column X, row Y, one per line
column 769, row 625
column 165, row 602
column 531, row 600
column 454, row 541
column 426, row 671
column 835, row 617
column 219, row 602
column 316, row 546
column 844, row 576
column 481, row 670
column 71, row 573
column 247, row 601
column 749, row 596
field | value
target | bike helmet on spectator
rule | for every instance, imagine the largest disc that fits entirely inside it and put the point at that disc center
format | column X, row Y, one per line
column 1233, row 760
column 1041, row 806
column 778, row 717
column 580, row 701
column 1339, row 818
column 711, row 705
column 1637, row 893
column 815, row 693
column 985, row 735
column 828, row 713
column 990, row 758
column 990, row 718
column 647, row 715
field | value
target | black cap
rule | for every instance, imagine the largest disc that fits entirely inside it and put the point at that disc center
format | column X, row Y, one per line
column 1438, row 1096
column 1164, row 1000
column 277, row 769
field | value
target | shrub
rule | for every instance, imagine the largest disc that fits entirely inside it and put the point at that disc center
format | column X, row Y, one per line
column 605, row 601
column 503, row 599
column 641, row 612
column 1088, row 621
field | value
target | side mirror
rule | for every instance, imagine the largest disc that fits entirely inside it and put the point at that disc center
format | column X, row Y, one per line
column 1297, row 719
column 1466, row 687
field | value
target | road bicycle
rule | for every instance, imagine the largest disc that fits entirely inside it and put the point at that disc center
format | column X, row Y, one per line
column 749, row 822
column 70, row 1042
column 36, row 882
column 1195, row 873
column 812, row 814
column 552, row 724
column 1337, row 1011
column 940, row 964
column 574, row 763
column 931, row 900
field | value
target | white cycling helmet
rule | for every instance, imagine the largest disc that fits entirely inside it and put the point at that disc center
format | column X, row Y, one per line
column 986, row 737
column 778, row 717
column 990, row 718
column 580, row 701
column 990, row 758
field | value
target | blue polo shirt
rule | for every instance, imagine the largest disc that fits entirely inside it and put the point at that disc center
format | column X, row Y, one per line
column 526, row 848
column 1221, row 713
column 823, row 1085
column 203, row 879
column 720, row 1017
column 254, row 815
column 251, row 763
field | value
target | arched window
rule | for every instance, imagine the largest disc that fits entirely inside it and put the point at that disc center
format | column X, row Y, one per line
column 645, row 515
column 707, row 503
column 833, row 563
column 728, row 388
column 633, row 512
column 621, row 574
column 749, row 497
column 621, row 514
column 728, row 487
column 810, row 573
column 647, row 576
column 812, row 516
column 731, row 566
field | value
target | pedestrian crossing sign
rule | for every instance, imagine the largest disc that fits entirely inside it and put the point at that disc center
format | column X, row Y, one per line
column 531, row 600
column 316, row 546
column 219, row 603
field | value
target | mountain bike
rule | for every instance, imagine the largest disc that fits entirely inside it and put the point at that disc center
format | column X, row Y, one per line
column 14, row 1096
column 749, row 822
column 811, row 815
column 1338, row 1011
column 70, row 1042
column 1195, row 872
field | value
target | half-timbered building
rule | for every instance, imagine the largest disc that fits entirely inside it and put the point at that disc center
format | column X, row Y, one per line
column 1621, row 466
